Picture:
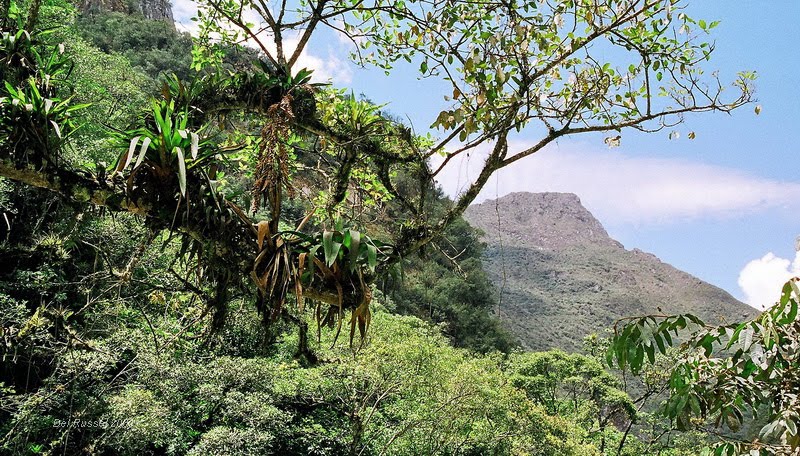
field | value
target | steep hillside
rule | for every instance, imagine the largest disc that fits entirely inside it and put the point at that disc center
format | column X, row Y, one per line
column 561, row 276
column 150, row 9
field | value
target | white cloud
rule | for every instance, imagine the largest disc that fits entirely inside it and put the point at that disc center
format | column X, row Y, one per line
column 183, row 11
column 328, row 68
column 762, row 279
column 621, row 189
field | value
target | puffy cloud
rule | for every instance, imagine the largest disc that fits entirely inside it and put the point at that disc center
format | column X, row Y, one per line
column 328, row 68
column 761, row 280
column 621, row 189
column 183, row 11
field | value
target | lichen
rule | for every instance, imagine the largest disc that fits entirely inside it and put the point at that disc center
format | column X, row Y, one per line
column 81, row 194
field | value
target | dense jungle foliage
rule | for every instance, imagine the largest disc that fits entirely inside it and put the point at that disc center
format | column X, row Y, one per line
column 126, row 300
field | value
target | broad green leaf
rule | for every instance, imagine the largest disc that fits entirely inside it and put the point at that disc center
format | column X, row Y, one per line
column 651, row 353
column 660, row 343
column 668, row 338
column 790, row 317
column 735, row 337
column 747, row 338
column 346, row 239
column 330, row 247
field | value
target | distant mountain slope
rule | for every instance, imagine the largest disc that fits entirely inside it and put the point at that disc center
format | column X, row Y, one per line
column 151, row 9
column 562, row 277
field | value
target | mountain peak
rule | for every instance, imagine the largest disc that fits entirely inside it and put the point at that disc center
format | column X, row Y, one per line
column 547, row 221
column 561, row 276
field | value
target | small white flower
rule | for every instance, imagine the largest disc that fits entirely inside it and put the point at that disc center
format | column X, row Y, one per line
column 572, row 79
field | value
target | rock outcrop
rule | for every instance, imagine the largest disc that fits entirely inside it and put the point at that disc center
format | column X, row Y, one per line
column 561, row 276
column 160, row 10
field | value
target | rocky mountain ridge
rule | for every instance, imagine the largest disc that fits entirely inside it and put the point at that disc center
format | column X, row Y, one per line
column 561, row 276
column 160, row 10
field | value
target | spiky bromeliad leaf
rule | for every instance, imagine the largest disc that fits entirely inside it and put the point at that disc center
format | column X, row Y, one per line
column 181, row 170
column 355, row 243
column 125, row 160
column 142, row 152
column 195, row 144
column 263, row 232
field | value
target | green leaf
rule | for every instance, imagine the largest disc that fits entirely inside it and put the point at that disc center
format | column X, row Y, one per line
column 610, row 356
column 638, row 359
column 696, row 320
column 768, row 429
column 790, row 317
column 313, row 253
column 681, row 404
column 793, row 284
column 372, row 256
column 736, row 335
column 747, row 338
column 695, row 405
column 158, row 117
column 660, row 343
column 791, row 426
column 330, row 247
column 651, row 353
column 346, row 239
column 668, row 338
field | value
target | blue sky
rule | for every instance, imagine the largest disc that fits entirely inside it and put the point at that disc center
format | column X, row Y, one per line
column 724, row 206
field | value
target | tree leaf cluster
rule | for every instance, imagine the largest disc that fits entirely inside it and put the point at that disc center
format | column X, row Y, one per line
column 725, row 373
